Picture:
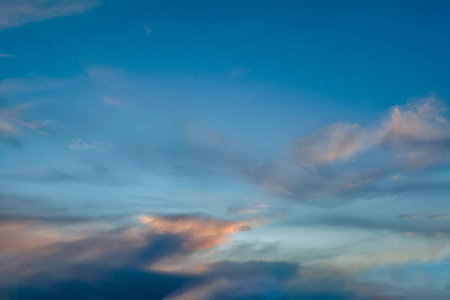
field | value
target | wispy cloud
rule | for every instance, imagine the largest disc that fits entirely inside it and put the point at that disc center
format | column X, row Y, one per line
column 80, row 144
column 337, row 164
column 440, row 217
column 6, row 55
column 416, row 132
column 20, row 12
column 92, row 174
column 114, row 102
column 147, row 30
column 247, row 210
column 348, row 161
column 13, row 124
column 112, row 79
column 30, row 83
column 411, row 216
column 336, row 142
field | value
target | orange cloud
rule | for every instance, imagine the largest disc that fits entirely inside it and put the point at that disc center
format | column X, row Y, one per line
column 201, row 233
column 28, row 246
column 20, row 237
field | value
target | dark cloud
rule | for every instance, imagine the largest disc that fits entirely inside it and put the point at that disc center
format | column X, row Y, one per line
column 31, row 243
column 111, row 284
column 77, row 258
column 274, row 280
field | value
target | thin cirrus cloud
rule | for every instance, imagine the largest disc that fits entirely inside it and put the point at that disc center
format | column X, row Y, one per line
column 6, row 55
column 21, row 12
column 411, row 216
column 114, row 103
column 440, row 217
column 13, row 124
column 30, row 83
column 90, row 174
column 80, row 144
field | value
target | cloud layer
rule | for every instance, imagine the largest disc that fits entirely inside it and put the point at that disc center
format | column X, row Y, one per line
column 69, row 258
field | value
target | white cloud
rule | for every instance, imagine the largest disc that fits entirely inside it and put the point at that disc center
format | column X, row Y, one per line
column 6, row 55
column 20, row 12
column 80, row 144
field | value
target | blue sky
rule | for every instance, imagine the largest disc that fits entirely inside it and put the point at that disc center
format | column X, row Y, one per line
column 224, row 149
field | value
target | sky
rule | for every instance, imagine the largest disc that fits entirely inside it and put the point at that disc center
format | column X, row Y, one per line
column 195, row 150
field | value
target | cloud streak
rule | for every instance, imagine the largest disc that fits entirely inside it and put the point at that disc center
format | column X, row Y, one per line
column 27, row 84
column 13, row 124
column 20, row 12
column 80, row 144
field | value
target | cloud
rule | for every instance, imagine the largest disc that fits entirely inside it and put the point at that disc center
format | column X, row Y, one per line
column 147, row 30
column 335, row 165
column 109, row 284
column 20, row 12
column 111, row 79
column 66, row 242
column 247, row 280
column 206, row 233
column 276, row 280
column 369, row 242
column 343, row 162
column 80, row 144
column 336, row 142
column 247, row 210
column 13, row 124
column 6, row 55
column 415, row 223
column 27, row 84
column 440, row 217
column 411, row 216
column 367, row 157
column 66, row 257
column 417, row 132
column 339, row 163
column 92, row 174
column 114, row 102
